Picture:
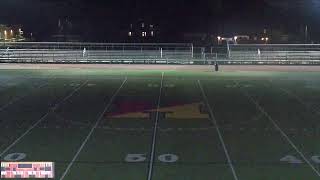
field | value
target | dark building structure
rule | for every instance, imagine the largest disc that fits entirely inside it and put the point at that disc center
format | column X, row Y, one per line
column 142, row 31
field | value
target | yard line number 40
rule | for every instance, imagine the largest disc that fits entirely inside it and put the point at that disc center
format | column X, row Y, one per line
column 294, row 160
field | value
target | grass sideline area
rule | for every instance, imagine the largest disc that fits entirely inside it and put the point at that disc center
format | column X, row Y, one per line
column 180, row 124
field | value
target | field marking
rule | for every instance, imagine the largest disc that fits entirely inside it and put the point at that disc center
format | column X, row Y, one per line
column 279, row 129
column 213, row 119
column 155, row 129
column 92, row 129
column 40, row 120
column 315, row 109
column 70, row 95
column 34, row 89
column 5, row 82
column 20, row 98
column 16, row 77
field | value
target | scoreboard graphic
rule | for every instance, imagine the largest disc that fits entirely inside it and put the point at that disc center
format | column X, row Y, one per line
column 41, row 170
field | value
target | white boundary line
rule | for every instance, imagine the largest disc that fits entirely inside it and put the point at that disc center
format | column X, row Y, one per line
column 92, row 130
column 155, row 129
column 279, row 129
column 213, row 119
column 40, row 120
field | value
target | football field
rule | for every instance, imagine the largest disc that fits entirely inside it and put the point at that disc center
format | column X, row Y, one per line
column 124, row 124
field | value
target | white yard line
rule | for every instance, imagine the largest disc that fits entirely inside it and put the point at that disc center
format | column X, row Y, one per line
column 70, row 95
column 155, row 129
column 23, row 135
column 92, row 130
column 213, row 119
column 40, row 120
column 280, row 130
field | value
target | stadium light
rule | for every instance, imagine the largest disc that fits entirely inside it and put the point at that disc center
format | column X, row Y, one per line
column 235, row 39
column 219, row 40
column 265, row 39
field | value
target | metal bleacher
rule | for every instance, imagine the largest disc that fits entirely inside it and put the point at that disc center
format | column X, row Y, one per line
column 158, row 53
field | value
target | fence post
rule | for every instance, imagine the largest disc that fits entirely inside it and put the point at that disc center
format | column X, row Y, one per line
column 192, row 51
column 202, row 53
column 216, row 57
column 228, row 48
column 88, row 57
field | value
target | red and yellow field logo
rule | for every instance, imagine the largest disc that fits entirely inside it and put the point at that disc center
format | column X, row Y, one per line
column 141, row 109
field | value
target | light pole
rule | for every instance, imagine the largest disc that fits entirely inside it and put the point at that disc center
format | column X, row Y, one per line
column 306, row 34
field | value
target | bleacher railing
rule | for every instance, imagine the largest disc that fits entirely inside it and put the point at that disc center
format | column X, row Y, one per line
column 57, row 52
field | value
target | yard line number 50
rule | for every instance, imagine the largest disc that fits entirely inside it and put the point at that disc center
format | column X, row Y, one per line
column 136, row 158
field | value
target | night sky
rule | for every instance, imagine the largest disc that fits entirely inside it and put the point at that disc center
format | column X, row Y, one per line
column 101, row 19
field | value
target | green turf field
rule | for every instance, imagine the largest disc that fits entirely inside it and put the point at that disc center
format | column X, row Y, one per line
column 163, row 125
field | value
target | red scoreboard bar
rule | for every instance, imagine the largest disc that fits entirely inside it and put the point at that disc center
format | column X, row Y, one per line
column 27, row 170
